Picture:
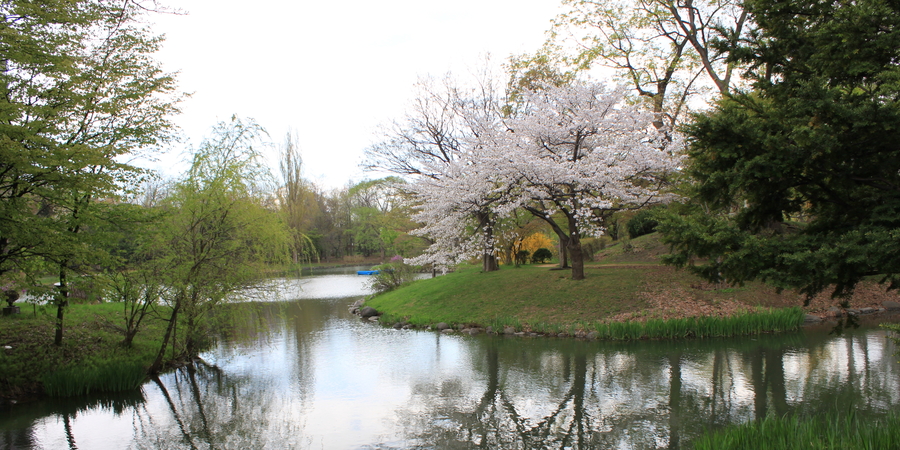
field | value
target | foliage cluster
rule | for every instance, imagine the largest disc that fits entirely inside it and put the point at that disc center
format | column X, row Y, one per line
column 794, row 181
column 642, row 223
column 392, row 275
column 541, row 255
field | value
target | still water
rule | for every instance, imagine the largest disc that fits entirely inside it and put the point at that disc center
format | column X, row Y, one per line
column 316, row 377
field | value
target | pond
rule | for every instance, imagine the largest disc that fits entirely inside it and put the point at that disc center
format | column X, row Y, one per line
column 317, row 377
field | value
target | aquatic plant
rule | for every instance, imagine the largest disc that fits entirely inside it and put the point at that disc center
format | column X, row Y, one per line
column 112, row 376
column 845, row 431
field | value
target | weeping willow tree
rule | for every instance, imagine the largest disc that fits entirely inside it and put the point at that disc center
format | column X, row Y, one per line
column 219, row 234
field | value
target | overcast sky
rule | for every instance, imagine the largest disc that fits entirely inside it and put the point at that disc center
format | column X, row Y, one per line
column 332, row 71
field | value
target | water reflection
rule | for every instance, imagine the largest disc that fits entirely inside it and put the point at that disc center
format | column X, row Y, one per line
column 316, row 377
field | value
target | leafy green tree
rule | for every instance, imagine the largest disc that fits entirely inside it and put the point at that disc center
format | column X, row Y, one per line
column 797, row 182
column 541, row 256
column 218, row 237
column 380, row 215
column 80, row 90
column 297, row 200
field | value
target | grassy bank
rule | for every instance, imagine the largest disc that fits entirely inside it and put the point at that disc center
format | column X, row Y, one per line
column 626, row 294
column 826, row 432
column 90, row 359
column 540, row 300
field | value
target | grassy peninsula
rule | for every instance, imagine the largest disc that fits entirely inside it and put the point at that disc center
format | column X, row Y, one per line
column 624, row 284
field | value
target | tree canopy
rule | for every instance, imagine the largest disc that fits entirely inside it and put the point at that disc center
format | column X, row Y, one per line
column 797, row 181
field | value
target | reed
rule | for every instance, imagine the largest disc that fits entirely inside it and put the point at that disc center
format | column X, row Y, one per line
column 756, row 322
column 113, row 376
column 828, row 431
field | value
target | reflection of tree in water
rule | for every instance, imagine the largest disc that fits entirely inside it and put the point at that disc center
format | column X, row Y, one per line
column 212, row 410
column 646, row 395
column 507, row 393
column 18, row 432
column 501, row 417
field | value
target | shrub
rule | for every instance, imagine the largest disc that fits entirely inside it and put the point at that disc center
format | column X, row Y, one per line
column 644, row 222
column 392, row 275
column 541, row 256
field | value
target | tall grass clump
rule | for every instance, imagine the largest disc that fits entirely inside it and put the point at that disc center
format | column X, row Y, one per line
column 829, row 431
column 111, row 376
column 761, row 321
column 499, row 323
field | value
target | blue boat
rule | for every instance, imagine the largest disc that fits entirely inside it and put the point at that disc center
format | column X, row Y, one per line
column 367, row 272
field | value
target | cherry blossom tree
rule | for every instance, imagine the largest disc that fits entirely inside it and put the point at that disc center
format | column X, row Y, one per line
column 432, row 144
column 583, row 151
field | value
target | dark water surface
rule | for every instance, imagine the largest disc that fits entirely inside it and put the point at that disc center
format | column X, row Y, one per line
column 319, row 378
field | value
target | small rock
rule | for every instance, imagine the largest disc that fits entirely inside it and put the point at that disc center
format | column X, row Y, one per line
column 891, row 305
column 367, row 311
column 809, row 318
column 835, row 311
column 442, row 326
column 509, row 330
column 398, row 326
column 866, row 310
column 521, row 333
column 563, row 335
column 448, row 331
column 489, row 330
column 407, row 327
column 373, row 319
column 852, row 311
column 592, row 335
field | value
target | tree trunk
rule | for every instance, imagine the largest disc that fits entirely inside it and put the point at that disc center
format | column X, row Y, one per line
column 157, row 364
column 577, row 255
column 62, row 301
column 563, row 252
column 489, row 263
column 488, row 259
column 575, row 251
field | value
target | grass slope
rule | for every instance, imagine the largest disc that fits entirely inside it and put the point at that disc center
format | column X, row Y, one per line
column 531, row 294
column 625, row 282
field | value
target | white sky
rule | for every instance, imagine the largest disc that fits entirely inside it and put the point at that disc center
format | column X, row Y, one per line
column 332, row 71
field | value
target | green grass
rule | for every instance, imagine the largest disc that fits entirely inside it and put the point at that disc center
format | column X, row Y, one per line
column 530, row 294
column 532, row 298
column 90, row 359
column 826, row 432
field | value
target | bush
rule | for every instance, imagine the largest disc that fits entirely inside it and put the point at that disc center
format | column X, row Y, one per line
column 392, row 275
column 541, row 256
column 644, row 222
